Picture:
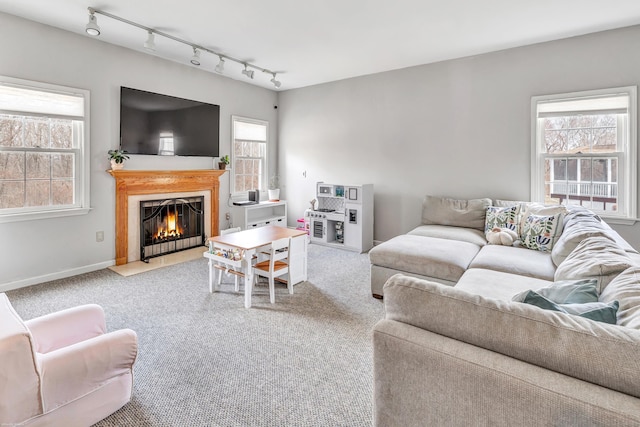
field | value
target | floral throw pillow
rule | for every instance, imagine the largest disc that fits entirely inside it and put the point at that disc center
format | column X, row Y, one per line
column 503, row 217
column 541, row 232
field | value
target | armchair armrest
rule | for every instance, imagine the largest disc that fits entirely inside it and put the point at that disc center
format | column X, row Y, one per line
column 66, row 327
column 70, row 372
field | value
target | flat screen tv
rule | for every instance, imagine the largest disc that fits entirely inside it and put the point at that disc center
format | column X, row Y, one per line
column 151, row 123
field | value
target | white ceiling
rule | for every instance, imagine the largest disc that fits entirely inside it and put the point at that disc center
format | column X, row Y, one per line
column 309, row 43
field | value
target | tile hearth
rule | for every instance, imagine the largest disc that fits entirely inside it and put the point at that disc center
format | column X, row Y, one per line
column 137, row 267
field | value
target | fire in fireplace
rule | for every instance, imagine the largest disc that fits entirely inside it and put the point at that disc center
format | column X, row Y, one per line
column 170, row 225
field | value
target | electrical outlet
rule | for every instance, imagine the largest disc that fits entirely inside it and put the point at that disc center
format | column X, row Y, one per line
column 227, row 216
column 99, row 236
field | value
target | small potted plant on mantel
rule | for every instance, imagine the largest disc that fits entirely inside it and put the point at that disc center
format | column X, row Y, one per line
column 274, row 188
column 117, row 158
column 224, row 161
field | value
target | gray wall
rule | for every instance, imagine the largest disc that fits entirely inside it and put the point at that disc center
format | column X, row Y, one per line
column 36, row 251
column 457, row 128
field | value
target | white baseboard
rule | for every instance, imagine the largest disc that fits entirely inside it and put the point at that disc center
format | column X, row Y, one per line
column 54, row 276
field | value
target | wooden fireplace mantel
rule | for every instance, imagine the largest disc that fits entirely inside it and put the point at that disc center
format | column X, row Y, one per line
column 135, row 182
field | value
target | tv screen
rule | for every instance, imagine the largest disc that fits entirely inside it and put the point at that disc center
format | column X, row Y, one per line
column 151, row 123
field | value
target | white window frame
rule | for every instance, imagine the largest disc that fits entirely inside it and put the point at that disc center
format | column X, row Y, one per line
column 82, row 202
column 627, row 158
column 264, row 175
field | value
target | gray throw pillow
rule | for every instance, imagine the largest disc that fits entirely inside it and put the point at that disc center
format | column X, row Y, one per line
column 598, row 311
column 567, row 292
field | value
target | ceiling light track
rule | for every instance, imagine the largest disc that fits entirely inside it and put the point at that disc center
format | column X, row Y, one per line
column 93, row 29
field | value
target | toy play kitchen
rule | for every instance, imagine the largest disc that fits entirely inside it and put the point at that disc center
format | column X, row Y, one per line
column 343, row 217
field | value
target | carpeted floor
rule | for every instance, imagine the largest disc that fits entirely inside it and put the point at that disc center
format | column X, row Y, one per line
column 205, row 360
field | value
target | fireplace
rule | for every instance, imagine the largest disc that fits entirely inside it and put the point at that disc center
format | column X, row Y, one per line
column 170, row 225
column 145, row 184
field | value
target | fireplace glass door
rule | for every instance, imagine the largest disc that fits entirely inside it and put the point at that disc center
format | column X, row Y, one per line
column 170, row 225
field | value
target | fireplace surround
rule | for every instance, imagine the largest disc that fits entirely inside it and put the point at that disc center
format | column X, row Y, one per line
column 148, row 182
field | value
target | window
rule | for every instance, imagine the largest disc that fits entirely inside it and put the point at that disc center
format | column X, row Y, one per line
column 43, row 150
column 249, row 154
column 584, row 150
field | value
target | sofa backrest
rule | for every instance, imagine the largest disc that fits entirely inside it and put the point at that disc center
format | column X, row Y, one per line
column 625, row 288
column 458, row 213
column 561, row 342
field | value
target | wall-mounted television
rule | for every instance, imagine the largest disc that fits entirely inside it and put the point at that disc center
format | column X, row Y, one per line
column 151, row 123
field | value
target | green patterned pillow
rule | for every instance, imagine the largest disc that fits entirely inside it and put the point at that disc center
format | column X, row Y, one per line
column 502, row 217
column 541, row 232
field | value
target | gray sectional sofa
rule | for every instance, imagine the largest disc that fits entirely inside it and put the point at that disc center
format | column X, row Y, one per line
column 454, row 348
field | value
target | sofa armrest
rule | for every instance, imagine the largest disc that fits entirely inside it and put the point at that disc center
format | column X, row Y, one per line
column 66, row 327
column 599, row 353
column 425, row 379
column 73, row 371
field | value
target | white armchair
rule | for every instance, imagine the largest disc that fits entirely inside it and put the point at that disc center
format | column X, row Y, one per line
column 63, row 369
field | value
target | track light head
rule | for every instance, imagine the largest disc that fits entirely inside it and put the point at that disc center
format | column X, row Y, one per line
column 92, row 27
column 195, row 59
column 248, row 73
column 275, row 82
column 220, row 67
column 150, row 44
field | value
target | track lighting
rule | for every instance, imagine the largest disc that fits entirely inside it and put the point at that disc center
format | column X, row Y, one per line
column 275, row 82
column 150, row 44
column 92, row 27
column 220, row 67
column 248, row 73
column 195, row 59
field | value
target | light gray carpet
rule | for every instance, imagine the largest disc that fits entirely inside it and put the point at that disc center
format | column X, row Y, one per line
column 205, row 360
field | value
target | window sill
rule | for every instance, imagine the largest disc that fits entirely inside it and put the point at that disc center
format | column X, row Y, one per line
column 42, row 215
column 618, row 220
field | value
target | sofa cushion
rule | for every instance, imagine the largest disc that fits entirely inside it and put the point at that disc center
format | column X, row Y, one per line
column 502, row 217
column 459, row 213
column 552, row 340
column 540, row 232
column 427, row 256
column 506, row 203
column 575, row 232
column 463, row 234
column 598, row 311
column 515, row 260
column 595, row 257
column 625, row 288
column 579, row 223
column 497, row 284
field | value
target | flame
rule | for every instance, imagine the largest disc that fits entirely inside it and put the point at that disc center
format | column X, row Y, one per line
column 170, row 228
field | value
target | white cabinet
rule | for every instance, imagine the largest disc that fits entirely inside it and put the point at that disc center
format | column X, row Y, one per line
column 259, row 215
column 343, row 217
